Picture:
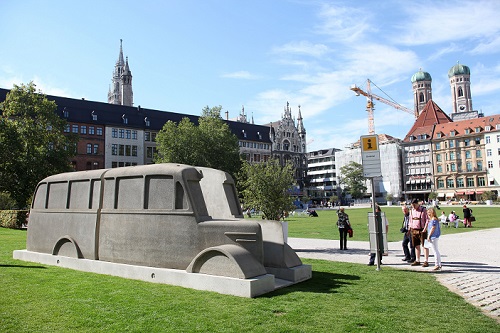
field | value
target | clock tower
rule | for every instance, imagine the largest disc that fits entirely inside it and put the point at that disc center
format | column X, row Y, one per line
column 459, row 76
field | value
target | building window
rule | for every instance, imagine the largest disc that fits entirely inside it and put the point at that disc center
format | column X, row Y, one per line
column 121, row 150
column 99, row 130
column 149, row 152
column 66, row 113
column 452, row 156
column 440, row 183
column 125, row 119
column 452, row 143
column 439, row 134
column 256, row 158
column 478, row 153
column 114, row 133
column 134, row 135
column 83, row 129
column 438, row 157
column 453, row 167
column 128, row 150
column 460, row 182
column 128, row 134
column 153, row 136
column 147, row 136
column 74, row 129
column 479, row 166
column 470, row 182
column 468, row 166
column 96, row 149
column 490, row 164
column 439, row 168
column 438, row 145
column 66, row 128
column 467, row 142
column 477, row 140
column 91, row 130
column 89, row 148
column 114, row 149
column 114, row 164
column 488, row 152
column 467, row 131
column 121, row 133
column 134, row 150
column 450, row 183
column 498, row 138
column 467, row 154
column 481, row 181
column 452, row 133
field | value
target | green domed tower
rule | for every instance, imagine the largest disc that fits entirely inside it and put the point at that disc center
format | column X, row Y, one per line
column 422, row 89
column 459, row 76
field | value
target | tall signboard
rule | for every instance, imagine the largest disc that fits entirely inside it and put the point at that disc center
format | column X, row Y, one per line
column 370, row 156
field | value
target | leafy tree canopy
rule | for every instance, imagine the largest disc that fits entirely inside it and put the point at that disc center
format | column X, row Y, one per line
column 32, row 142
column 352, row 177
column 266, row 187
column 210, row 144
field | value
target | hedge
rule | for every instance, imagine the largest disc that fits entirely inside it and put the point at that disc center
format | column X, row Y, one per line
column 12, row 218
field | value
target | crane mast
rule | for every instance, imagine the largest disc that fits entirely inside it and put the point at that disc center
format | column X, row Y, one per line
column 370, row 106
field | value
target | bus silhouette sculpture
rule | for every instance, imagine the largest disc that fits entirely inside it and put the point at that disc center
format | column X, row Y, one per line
column 167, row 216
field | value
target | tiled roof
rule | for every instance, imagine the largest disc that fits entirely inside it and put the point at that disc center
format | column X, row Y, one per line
column 80, row 111
column 478, row 125
column 423, row 127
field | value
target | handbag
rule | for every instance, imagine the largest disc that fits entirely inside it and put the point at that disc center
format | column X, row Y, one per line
column 350, row 231
column 472, row 218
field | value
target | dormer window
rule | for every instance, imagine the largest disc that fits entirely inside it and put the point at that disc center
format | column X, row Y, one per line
column 243, row 133
column 259, row 135
column 497, row 126
column 147, row 122
column 65, row 113
column 452, row 133
column 467, row 131
column 94, row 116
column 487, row 128
column 125, row 119
column 439, row 134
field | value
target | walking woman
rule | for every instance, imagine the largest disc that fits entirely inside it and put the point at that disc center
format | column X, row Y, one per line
column 433, row 232
column 343, row 224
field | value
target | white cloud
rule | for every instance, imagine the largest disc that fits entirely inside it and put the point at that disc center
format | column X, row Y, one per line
column 431, row 22
column 302, row 48
column 344, row 24
column 240, row 75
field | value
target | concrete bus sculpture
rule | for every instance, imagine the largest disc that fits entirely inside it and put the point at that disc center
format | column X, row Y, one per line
column 149, row 222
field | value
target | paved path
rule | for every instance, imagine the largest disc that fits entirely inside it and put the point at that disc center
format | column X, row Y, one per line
column 471, row 263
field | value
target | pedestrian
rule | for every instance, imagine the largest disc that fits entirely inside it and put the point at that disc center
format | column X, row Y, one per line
column 453, row 218
column 443, row 218
column 405, row 229
column 467, row 216
column 343, row 224
column 418, row 227
column 433, row 233
column 385, row 224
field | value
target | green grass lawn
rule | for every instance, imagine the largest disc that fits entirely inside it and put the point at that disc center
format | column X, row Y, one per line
column 324, row 226
column 340, row 297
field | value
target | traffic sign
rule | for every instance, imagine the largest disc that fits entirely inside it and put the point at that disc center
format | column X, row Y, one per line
column 370, row 156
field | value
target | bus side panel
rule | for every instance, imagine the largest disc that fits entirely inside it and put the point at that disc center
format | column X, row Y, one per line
column 148, row 238
column 47, row 227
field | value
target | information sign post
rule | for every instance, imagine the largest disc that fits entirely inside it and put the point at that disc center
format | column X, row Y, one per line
column 370, row 157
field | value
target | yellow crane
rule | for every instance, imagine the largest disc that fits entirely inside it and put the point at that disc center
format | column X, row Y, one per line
column 369, row 104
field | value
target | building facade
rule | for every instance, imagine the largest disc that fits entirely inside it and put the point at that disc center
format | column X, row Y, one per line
column 322, row 181
column 120, row 91
column 288, row 143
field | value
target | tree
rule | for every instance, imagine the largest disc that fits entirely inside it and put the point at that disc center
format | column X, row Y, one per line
column 210, row 144
column 32, row 142
column 433, row 196
column 352, row 177
column 267, row 187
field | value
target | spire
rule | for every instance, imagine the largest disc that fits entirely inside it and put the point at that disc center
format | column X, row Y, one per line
column 252, row 119
column 300, row 123
column 120, row 56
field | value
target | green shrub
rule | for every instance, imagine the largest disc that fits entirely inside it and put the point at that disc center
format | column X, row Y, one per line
column 6, row 202
column 12, row 218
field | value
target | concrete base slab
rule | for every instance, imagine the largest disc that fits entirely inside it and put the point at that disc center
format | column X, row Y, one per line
column 224, row 285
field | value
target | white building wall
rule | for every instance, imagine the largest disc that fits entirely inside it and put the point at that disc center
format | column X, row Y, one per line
column 492, row 153
column 123, row 160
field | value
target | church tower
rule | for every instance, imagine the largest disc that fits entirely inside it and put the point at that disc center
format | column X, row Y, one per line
column 120, row 91
column 422, row 90
column 459, row 76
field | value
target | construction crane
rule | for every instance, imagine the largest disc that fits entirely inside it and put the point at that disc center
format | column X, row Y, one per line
column 369, row 103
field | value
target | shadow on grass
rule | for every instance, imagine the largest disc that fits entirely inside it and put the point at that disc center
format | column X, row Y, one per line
column 321, row 282
column 22, row 266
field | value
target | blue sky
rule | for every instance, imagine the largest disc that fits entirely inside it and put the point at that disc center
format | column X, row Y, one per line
column 186, row 54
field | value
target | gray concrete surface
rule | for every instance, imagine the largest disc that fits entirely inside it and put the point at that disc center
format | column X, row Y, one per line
column 471, row 263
